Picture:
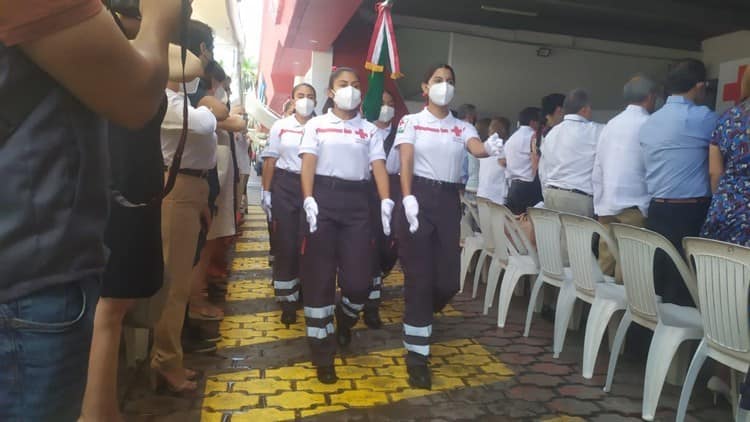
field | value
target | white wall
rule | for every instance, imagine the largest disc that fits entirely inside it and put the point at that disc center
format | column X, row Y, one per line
column 502, row 77
column 725, row 48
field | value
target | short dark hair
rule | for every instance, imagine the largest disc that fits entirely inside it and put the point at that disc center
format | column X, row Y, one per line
column 528, row 115
column 685, row 75
column 332, row 80
column 465, row 110
column 551, row 102
column 304, row 85
column 432, row 69
column 215, row 71
column 199, row 32
column 575, row 101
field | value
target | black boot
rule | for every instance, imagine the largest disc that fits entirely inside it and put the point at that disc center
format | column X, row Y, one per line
column 420, row 376
column 372, row 317
column 288, row 317
column 327, row 374
column 343, row 331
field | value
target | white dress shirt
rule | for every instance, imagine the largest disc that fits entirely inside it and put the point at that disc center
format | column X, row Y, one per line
column 439, row 144
column 518, row 155
column 492, row 183
column 345, row 148
column 200, row 145
column 568, row 153
column 619, row 171
column 283, row 144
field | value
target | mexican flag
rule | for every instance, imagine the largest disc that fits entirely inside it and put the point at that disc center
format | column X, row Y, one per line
column 383, row 52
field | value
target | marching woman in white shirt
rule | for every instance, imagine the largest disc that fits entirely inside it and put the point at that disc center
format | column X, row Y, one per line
column 384, row 253
column 282, row 177
column 337, row 151
column 432, row 145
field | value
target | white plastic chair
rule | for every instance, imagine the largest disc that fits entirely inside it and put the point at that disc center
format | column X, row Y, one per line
column 521, row 261
column 672, row 324
column 723, row 274
column 589, row 285
column 548, row 234
column 490, row 248
column 472, row 245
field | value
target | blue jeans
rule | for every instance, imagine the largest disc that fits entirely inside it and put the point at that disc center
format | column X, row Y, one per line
column 44, row 348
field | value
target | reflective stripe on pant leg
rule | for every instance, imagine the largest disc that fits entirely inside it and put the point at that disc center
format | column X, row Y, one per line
column 351, row 310
column 319, row 321
column 375, row 289
column 286, row 291
column 417, row 339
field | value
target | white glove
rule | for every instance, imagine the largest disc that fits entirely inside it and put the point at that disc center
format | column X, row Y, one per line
column 493, row 146
column 265, row 203
column 311, row 209
column 386, row 211
column 411, row 209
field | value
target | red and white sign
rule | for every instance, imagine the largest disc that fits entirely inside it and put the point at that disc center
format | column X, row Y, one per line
column 730, row 77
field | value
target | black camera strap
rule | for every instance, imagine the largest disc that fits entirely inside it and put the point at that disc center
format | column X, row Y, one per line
column 177, row 158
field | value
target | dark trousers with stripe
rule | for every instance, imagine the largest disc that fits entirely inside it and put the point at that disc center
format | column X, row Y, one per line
column 431, row 262
column 286, row 235
column 341, row 244
column 674, row 221
column 385, row 250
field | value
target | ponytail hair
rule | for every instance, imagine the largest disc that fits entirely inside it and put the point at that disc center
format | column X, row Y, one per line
column 335, row 75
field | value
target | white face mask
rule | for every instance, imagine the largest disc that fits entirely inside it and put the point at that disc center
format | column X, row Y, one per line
column 304, row 107
column 442, row 94
column 221, row 95
column 386, row 114
column 348, row 98
column 191, row 86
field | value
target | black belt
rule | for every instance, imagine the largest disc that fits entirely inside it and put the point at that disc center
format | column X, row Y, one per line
column 202, row 174
column 580, row 192
column 438, row 183
column 285, row 173
column 341, row 184
column 699, row 200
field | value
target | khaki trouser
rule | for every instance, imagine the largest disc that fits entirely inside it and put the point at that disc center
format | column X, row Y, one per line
column 630, row 216
column 180, row 226
column 569, row 202
column 241, row 193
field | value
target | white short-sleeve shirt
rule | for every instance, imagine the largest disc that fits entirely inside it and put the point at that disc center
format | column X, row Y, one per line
column 345, row 148
column 283, row 144
column 393, row 161
column 492, row 183
column 518, row 155
column 439, row 144
column 200, row 145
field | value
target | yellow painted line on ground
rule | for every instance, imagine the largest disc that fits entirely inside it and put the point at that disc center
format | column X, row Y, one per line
column 255, row 234
column 266, row 327
column 251, row 247
column 374, row 379
column 255, row 263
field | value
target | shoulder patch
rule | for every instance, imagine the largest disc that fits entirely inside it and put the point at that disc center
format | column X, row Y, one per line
column 402, row 125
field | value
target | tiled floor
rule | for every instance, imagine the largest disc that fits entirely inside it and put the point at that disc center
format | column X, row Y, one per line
column 262, row 372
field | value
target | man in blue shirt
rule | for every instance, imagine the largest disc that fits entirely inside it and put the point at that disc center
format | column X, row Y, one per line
column 675, row 142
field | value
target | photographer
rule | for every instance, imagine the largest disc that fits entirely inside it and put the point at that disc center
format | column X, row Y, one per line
column 62, row 66
column 184, row 212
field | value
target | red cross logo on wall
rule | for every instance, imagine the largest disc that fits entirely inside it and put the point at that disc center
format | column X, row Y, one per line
column 457, row 131
column 362, row 134
column 732, row 90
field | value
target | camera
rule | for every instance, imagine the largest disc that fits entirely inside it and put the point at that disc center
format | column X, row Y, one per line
column 129, row 8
